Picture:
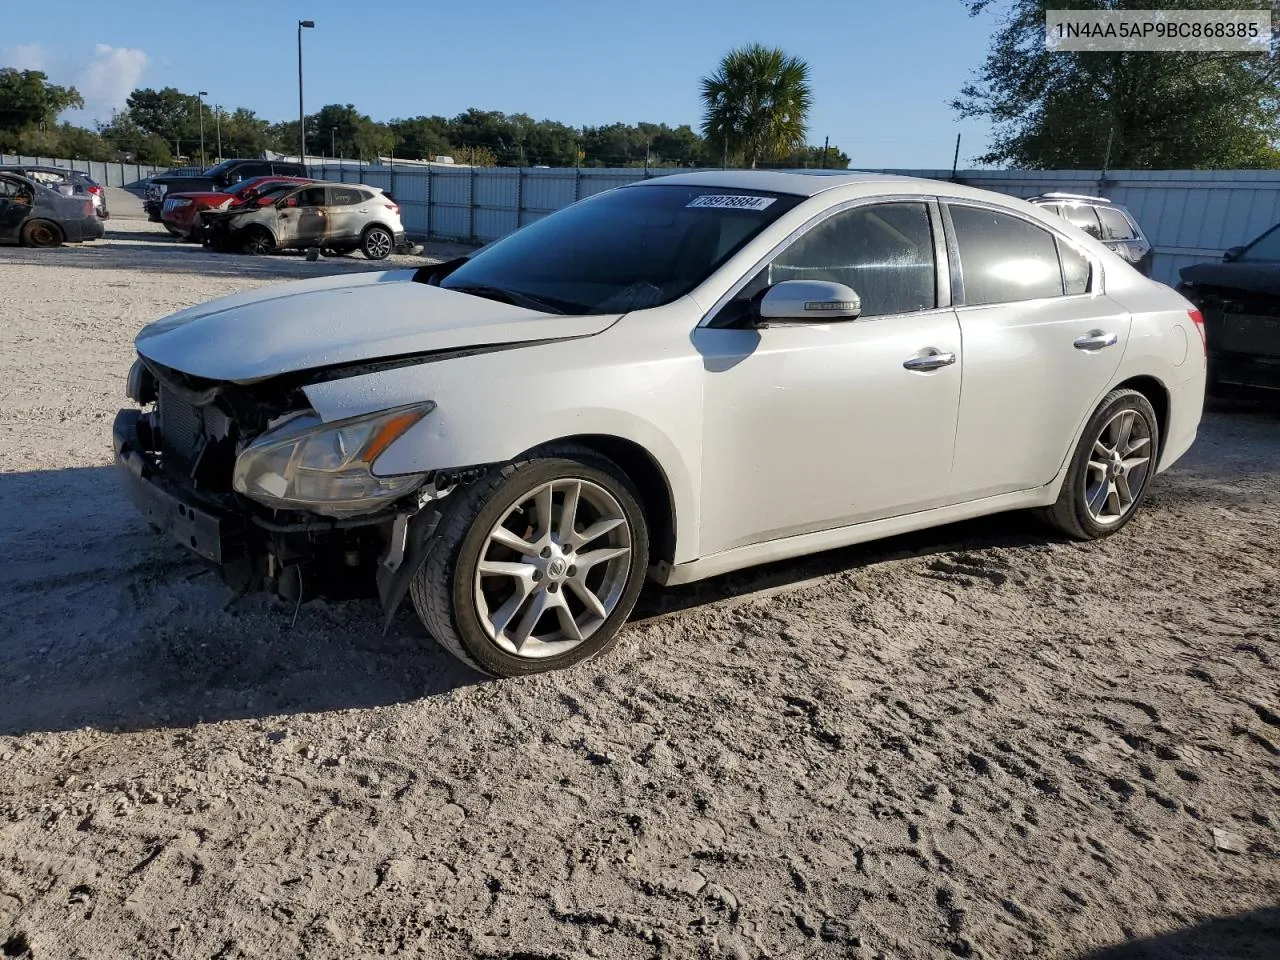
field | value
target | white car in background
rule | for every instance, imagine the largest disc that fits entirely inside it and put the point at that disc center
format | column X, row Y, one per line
column 679, row 378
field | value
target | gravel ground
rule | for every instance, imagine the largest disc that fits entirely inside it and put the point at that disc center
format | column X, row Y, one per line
column 978, row 741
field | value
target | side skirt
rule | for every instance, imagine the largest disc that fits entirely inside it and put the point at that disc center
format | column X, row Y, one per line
column 772, row 550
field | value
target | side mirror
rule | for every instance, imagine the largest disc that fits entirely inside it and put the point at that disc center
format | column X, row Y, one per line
column 810, row 301
column 1232, row 255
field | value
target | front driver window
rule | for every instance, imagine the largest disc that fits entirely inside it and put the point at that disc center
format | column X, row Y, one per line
column 883, row 251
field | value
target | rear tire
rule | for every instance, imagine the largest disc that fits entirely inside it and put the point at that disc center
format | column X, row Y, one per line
column 579, row 591
column 377, row 243
column 1117, row 452
column 42, row 233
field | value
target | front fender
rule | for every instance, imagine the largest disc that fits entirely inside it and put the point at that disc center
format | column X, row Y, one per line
column 493, row 406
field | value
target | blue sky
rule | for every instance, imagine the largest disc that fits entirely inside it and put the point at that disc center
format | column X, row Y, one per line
column 882, row 72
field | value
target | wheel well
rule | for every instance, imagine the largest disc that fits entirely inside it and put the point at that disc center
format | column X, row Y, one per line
column 1157, row 395
column 655, row 491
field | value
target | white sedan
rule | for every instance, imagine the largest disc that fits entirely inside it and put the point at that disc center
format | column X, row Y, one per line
column 677, row 378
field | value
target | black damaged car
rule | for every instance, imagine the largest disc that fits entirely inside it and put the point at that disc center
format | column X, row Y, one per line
column 36, row 216
column 1240, row 300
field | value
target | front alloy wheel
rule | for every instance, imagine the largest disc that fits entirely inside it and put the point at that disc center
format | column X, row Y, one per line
column 537, row 565
column 553, row 569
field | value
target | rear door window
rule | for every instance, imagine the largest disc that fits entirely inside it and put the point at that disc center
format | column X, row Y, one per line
column 1004, row 259
column 1115, row 225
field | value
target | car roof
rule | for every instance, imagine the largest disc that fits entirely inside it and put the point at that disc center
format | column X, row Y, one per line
column 1085, row 198
column 805, row 183
column 45, row 168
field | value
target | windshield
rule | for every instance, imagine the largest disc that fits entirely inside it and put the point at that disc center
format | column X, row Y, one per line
column 1266, row 248
column 218, row 168
column 253, row 185
column 627, row 249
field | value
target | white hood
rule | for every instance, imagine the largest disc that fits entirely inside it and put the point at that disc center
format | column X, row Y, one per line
column 342, row 319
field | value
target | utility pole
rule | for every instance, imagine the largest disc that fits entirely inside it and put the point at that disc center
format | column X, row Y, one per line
column 217, row 123
column 1106, row 160
column 724, row 163
column 955, row 159
column 302, row 120
column 826, row 149
column 200, row 95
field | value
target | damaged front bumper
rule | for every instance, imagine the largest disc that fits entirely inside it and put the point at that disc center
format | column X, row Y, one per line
column 291, row 555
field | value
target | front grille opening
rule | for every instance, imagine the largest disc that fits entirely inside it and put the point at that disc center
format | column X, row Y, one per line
column 196, row 443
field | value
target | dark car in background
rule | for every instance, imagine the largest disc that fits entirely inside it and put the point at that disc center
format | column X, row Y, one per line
column 220, row 177
column 36, row 216
column 1106, row 221
column 71, row 183
column 1240, row 300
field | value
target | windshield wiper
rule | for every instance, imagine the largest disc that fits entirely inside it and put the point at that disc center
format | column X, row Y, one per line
column 507, row 296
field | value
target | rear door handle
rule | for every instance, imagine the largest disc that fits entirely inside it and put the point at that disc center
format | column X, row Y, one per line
column 1096, row 340
column 932, row 361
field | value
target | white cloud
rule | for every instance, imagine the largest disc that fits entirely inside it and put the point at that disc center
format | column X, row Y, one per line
column 25, row 56
column 107, row 80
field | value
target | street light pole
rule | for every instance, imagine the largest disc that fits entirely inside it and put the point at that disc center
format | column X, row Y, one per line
column 302, row 120
column 200, row 100
column 217, row 123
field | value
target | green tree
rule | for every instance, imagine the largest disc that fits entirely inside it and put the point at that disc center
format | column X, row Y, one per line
column 352, row 133
column 168, row 113
column 244, row 133
column 1176, row 110
column 421, row 138
column 29, row 101
column 757, row 103
column 131, row 141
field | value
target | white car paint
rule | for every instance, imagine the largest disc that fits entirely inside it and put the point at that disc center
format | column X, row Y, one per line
column 773, row 442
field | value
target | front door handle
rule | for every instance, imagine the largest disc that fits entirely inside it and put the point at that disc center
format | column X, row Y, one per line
column 1096, row 340
column 931, row 361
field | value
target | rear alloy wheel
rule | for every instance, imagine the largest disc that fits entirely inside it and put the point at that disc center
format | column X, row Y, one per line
column 41, row 233
column 258, row 241
column 377, row 243
column 1111, row 468
column 536, row 566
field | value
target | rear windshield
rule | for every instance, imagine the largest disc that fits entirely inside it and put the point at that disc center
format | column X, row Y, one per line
column 627, row 249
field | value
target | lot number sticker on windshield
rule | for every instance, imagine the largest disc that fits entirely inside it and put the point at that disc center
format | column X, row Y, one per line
column 731, row 202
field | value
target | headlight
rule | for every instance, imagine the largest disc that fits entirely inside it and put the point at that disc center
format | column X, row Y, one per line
column 327, row 467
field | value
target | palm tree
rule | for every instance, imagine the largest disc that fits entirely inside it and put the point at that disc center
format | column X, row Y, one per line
column 757, row 103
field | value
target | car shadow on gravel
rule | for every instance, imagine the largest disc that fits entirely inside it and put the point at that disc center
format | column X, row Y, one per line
column 1246, row 936
column 106, row 624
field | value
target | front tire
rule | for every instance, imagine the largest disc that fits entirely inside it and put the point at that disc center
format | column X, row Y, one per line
column 258, row 241
column 1110, row 470
column 537, row 565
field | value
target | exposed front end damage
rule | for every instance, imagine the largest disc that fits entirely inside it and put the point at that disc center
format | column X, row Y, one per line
column 177, row 457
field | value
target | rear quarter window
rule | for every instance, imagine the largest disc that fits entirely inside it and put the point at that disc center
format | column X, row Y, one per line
column 1115, row 225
